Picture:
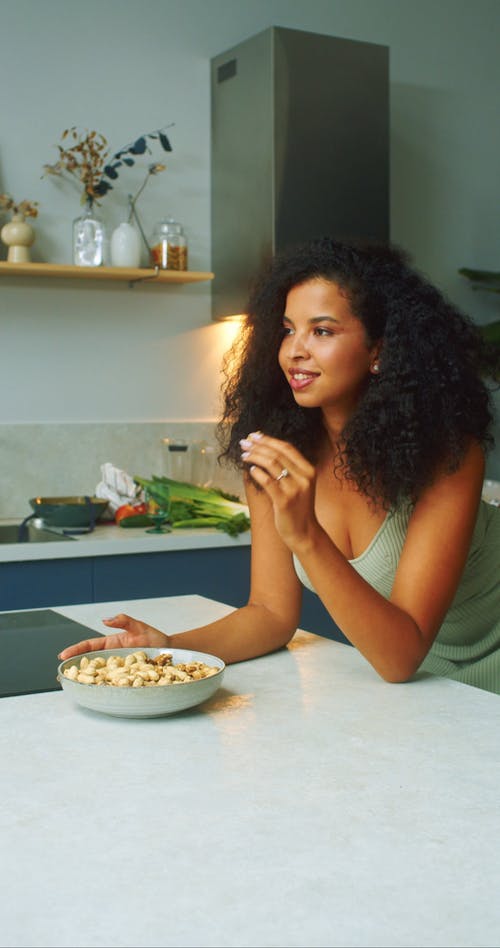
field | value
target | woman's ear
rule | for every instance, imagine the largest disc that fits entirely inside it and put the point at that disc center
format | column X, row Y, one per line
column 375, row 358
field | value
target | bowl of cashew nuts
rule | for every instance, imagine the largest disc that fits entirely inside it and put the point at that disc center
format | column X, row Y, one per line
column 140, row 683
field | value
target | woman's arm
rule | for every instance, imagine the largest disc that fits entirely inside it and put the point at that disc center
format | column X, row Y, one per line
column 266, row 623
column 395, row 634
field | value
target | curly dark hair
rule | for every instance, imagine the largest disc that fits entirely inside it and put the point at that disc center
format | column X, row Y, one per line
column 415, row 417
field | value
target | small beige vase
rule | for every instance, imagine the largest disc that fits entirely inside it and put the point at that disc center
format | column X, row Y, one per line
column 18, row 235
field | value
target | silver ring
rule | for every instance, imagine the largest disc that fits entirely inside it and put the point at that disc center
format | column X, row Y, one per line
column 284, row 473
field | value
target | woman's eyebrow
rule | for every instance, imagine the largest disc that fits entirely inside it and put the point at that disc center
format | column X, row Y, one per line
column 314, row 319
column 322, row 319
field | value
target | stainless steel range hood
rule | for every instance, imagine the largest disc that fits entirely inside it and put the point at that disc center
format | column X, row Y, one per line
column 300, row 148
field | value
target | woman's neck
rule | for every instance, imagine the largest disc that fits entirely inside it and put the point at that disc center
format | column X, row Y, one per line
column 333, row 430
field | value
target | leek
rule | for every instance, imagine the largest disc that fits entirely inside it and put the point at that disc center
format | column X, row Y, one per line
column 189, row 506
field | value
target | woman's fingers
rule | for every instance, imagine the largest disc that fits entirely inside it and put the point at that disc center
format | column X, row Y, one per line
column 127, row 623
column 90, row 645
column 137, row 632
column 288, row 479
column 278, row 459
column 270, row 481
column 134, row 634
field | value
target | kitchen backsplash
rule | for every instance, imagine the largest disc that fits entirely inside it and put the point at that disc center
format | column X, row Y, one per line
column 52, row 460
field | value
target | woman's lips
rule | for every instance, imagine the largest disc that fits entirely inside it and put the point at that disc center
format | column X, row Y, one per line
column 301, row 380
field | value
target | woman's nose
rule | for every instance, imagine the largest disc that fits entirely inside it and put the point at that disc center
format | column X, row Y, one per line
column 297, row 345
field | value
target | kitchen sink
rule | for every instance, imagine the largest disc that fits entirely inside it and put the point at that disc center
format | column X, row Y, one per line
column 9, row 533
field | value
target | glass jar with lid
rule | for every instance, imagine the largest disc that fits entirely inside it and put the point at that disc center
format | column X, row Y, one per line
column 169, row 245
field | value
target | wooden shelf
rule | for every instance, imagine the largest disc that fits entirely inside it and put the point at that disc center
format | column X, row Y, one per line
column 57, row 271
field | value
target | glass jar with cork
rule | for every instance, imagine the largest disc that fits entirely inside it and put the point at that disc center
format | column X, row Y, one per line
column 169, row 245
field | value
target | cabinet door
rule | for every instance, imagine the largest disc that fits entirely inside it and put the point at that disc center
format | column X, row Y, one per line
column 35, row 583
column 221, row 573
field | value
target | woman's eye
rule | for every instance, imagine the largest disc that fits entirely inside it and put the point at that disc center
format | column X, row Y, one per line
column 286, row 330
column 322, row 331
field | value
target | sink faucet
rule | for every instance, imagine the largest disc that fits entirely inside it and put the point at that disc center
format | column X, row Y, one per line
column 22, row 530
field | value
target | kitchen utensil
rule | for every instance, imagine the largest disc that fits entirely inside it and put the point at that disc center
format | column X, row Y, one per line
column 81, row 511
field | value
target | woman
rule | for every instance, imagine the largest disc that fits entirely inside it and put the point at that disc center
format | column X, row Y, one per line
column 361, row 418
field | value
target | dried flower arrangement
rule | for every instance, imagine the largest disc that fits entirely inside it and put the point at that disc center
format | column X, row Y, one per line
column 22, row 208
column 87, row 160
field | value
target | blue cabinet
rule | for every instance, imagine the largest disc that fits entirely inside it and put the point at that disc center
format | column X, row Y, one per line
column 220, row 573
column 31, row 584
column 315, row 618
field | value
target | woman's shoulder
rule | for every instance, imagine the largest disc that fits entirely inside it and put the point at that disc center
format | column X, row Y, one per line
column 446, row 513
column 474, row 460
column 465, row 477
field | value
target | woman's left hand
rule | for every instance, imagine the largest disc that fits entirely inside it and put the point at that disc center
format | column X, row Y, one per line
column 289, row 481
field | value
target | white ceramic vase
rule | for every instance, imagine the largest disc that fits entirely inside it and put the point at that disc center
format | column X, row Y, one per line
column 18, row 236
column 125, row 246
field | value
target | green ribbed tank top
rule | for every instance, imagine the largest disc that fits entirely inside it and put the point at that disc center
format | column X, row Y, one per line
column 467, row 646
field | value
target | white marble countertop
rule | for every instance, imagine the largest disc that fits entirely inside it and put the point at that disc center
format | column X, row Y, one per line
column 307, row 803
column 109, row 539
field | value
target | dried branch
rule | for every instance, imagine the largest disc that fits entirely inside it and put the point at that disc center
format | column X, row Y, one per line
column 87, row 160
column 26, row 208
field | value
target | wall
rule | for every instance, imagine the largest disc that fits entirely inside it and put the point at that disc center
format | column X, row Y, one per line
column 101, row 354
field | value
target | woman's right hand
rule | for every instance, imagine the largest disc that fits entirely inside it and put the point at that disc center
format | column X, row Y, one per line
column 135, row 634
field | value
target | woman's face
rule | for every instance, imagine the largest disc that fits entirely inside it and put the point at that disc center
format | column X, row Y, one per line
column 325, row 354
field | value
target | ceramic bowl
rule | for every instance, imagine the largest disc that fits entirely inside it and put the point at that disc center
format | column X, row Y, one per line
column 150, row 702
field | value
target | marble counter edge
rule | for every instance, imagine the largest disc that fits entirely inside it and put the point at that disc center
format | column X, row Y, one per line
column 110, row 540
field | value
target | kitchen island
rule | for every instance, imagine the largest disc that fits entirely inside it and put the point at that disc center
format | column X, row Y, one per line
column 306, row 803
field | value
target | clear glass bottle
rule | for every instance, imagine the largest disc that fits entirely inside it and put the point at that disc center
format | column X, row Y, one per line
column 169, row 245
column 177, row 459
column 89, row 238
column 203, row 463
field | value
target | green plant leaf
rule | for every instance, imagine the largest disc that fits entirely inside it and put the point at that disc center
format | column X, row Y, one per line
column 491, row 332
column 139, row 146
column 164, row 141
column 483, row 279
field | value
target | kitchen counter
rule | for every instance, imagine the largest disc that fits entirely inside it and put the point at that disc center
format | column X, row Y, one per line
column 307, row 803
column 109, row 539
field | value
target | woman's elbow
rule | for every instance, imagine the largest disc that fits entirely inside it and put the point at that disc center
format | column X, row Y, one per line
column 399, row 672
column 396, row 679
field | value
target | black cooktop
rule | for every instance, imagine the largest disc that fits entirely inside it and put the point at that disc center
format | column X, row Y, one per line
column 29, row 646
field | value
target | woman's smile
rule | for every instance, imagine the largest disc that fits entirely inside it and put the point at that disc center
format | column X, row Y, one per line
column 299, row 379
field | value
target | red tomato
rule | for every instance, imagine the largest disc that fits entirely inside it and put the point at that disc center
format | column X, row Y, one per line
column 129, row 510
